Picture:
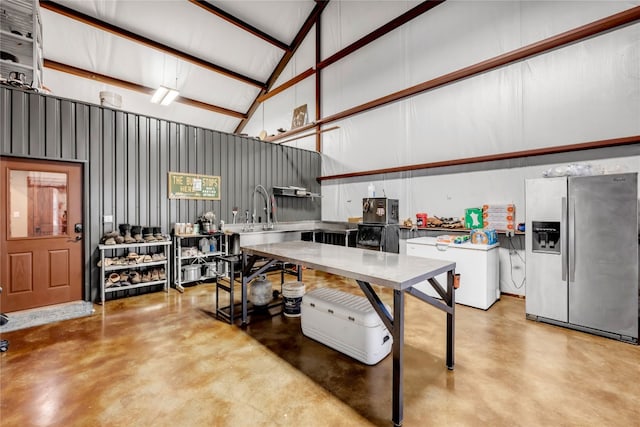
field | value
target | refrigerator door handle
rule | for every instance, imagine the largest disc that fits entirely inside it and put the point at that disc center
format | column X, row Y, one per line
column 572, row 240
column 563, row 238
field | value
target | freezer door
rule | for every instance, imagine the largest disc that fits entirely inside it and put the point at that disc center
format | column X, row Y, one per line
column 603, row 270
column 545, row 289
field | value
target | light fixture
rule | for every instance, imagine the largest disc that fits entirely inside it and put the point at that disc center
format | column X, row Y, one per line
column 164, row 96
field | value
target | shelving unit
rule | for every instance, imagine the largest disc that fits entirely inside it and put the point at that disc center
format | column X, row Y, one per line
column 21, row 41
column 298, row 192
column 122, row 251
column 197, row 257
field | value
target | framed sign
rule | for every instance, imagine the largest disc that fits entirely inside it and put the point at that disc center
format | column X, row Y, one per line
column 193, row 186
column 299, row 117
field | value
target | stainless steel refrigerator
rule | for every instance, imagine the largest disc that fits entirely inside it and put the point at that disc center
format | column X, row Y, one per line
column 582, row 253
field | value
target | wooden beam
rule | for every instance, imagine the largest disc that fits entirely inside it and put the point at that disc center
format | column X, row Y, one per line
column 381, row 31
column 318, row 82
column 493, row 157
column 121, row 32
column 291, row 132
column 135, row 87
column 286, row 85
column 317, row 132
column 297, row 41
column 572, row 36
column 240, row 24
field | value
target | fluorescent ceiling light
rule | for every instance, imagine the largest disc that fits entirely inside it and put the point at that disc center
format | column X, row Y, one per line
column 164, row 96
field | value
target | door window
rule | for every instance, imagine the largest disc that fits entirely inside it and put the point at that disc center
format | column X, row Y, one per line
column 37, row 204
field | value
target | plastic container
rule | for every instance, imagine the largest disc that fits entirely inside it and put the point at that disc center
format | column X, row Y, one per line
column 292, row 293
column 347, row 323
column 371, row 190
column 261, row 291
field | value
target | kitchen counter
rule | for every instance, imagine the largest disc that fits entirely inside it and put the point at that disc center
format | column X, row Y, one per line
column 284, row 232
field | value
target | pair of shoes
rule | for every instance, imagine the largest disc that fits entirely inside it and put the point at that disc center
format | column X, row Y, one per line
column 136, row 234
column 125, row 232
column 135, row 277
column 124, row 279
column 147, row 234
column 157, row 233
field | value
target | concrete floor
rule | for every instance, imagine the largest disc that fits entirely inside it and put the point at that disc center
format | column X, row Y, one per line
column 164, row 360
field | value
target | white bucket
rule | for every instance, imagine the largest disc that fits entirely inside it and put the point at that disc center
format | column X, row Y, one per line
column 292, row 293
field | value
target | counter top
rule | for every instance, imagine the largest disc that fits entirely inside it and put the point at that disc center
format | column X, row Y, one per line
column 381, row 268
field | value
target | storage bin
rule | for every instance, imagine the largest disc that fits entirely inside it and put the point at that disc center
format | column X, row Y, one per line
column 347, row 323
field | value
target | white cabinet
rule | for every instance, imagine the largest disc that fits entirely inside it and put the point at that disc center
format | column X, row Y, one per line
column 21, row 43
column 476, row 264
column 193, row 263
column 130, row 266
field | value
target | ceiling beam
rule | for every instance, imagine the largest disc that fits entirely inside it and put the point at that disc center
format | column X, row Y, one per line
column 381, row 31
column 240, row 24
column 58, row 66
column 286, row 85
column 297, row 41
column 603, row 25
column 136, row 38
column 615, row 142
column 374, row 35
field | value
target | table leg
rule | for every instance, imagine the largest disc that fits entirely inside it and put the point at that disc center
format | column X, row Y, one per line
column 244, row 289
column 231, row 297
column 450, row 319
column 398, row 350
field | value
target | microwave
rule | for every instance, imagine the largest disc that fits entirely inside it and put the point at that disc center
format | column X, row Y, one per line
column 380, row 210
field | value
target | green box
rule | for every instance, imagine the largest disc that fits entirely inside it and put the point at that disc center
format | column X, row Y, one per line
column 473, row 218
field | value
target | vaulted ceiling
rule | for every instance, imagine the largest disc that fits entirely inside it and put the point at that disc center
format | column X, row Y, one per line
column 220, row 55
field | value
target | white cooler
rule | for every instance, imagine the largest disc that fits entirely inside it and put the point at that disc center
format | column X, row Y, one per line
column 347, row 323
column 477, row 264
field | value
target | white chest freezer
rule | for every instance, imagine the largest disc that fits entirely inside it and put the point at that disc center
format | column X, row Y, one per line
column 347, row 323
column 477, row 264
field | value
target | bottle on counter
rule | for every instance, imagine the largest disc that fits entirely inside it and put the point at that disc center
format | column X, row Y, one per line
column 212, row 244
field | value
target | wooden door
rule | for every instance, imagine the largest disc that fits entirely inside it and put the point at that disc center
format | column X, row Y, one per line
column 41, row 256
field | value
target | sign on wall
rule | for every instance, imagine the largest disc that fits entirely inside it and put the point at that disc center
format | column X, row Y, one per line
column 193, row 186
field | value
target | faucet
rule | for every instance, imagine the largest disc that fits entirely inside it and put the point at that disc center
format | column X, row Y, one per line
column 247, row 226
column 265, row 194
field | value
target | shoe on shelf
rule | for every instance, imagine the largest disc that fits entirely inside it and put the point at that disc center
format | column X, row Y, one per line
column 136, row 233
column 135, row 277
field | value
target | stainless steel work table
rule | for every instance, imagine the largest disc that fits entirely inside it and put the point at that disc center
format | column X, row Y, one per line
column 395, row 271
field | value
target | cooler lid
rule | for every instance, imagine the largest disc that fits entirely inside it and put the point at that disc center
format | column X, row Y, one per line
column 344, row 305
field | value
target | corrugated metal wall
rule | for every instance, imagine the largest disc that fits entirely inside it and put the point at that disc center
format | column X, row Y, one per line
column 127, row 158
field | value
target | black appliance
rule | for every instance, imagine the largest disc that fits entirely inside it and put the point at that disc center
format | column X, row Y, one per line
column 379, row 230
column 379, row 237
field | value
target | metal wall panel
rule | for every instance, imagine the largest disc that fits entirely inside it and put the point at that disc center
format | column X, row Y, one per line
column 128, row 159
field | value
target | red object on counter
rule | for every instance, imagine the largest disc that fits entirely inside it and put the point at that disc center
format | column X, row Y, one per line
column 421, row 220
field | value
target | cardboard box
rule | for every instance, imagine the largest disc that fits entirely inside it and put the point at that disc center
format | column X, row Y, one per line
column 473, row 218
column 499, row 217
column 354, row 219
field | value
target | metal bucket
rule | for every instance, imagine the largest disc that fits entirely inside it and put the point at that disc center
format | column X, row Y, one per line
column 190, row 273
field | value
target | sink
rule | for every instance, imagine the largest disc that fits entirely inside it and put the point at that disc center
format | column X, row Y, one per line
column 283, row 232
